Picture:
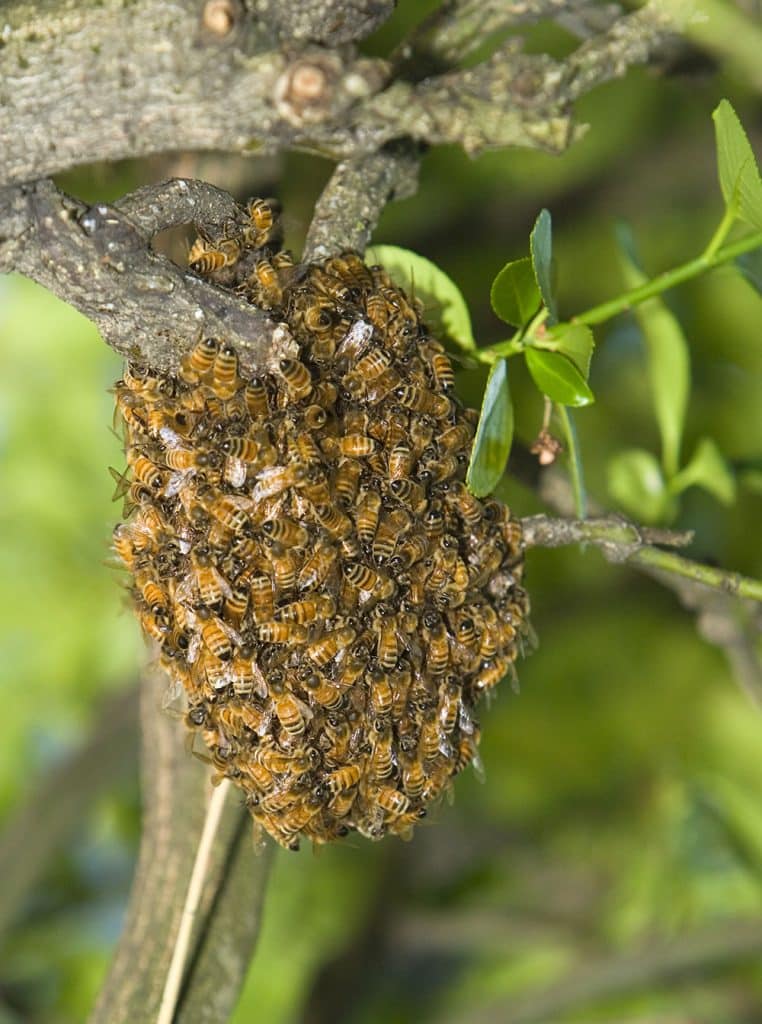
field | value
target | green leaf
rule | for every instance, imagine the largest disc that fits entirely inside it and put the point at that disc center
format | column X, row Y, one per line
column 636, row 483
column 494, row 434
column 445, row 308
column 573, row 340
column 514, row 295
column 708, row 469
column 558, row 377
column 668, row 358
column 750, row 265
column 541, row 248
column 739, row 176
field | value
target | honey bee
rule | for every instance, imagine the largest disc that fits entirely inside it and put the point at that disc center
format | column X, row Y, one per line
column 455, row 438
column 441, row 367
column 346, row 482
column 325, row 693
column 337, row 524
column 351, row 669
column 317, row 567
column 387, row 649
column 282, row 633
column 216, row 638
column 449, row 707
column 307, row 449
column 350, row 268
column 314, row 417
column 413, row 777
column 391, row 800
column 401, row 462
column 284, row 567
column 411, row 493
column 228, row 511
column 291, row 712
column 389, row 531
column 155, row 628
column 243, row 448
column 428, row 744
column 211, row 585
column 377, row 311
column 465, row 504
column 314, row 486
column 275, row 479
column 324, row 650
column 123, row 546
column 268, row 288
column 322, row 607
column 263, row 228
column 490, row 674
column 367, row 513
column 286, row 531
column 206, row 257
column 153, row 596
column 297, row 379
column 343, row 779
column 354, row 446
column 364, row 578
column 255, row 397
column 236, row 604
column 200, row 360
column 146, row 472
column 467, row 753
column 380, row 693
column 225, row 380
column 411, row 550
column 382, row 753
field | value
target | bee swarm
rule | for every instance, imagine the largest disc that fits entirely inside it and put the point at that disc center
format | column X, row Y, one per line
column 304, row 550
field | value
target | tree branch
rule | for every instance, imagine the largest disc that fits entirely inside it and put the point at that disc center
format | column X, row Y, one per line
column 351, row 203
column 150, row 77
column 176, row 790
column 622, row 541
column 30, row 839
column 655, row 964
column 98, row 259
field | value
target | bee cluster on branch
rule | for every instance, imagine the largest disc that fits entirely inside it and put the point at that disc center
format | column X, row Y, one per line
column 303, row 548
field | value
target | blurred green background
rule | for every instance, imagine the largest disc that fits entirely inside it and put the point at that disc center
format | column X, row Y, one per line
column 620, row 823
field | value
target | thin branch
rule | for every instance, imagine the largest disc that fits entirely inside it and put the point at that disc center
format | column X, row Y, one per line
column 351, row 203
column 175, row 786
column 59, row 802
column 625, row 542
column 99, row 260
column 662, row 963
column 456, row 29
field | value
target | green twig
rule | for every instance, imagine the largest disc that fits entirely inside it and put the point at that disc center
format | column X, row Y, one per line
column 622, row 541
column 670, row 278
column 575, row 460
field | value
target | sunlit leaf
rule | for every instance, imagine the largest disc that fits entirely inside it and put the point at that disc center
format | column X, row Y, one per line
column 541, row 248
column 708, row 469
column 444, row 306
column 739, row 176
column 750, row 265
column 668, row 358
column 514, row 295
column 636, row 483
column 558, row 377
column 575, row 341
column 494, row 433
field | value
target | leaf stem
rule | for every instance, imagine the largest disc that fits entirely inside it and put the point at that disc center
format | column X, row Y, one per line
column 720, row 234
column 575, row 460
column 670, row 278
column 190, row 908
